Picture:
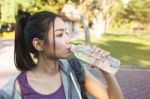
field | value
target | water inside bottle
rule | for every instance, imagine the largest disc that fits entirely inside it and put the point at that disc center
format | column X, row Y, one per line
column 84, row 54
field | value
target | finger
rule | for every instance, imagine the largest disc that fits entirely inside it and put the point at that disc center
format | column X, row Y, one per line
column 103, row 65
column 99, row 63
column 95, row 52
column 105, row 53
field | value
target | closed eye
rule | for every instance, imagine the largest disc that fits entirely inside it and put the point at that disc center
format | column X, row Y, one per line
column 61, row 32
column 60, row 35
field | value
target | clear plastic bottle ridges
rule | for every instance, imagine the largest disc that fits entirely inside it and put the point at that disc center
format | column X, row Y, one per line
column 83, row 53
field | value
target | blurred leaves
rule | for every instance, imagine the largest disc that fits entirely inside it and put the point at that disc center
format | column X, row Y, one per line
column 137, row 11
column 9, row 8
column 8, row 11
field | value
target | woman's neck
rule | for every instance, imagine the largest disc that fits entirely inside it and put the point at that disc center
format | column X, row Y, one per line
column 46, row 67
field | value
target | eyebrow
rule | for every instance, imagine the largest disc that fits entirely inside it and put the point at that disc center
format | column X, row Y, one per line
column 62, row 29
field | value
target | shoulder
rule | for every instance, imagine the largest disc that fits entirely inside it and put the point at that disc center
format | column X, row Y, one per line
column 9, row 87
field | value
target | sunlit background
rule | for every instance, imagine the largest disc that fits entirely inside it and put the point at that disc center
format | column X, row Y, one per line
column 121, row 27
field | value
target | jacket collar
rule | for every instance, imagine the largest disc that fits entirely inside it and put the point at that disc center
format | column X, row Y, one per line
column 64, row 66
column 65, row 73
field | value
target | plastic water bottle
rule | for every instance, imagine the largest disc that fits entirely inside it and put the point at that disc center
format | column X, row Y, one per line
column 84, row 53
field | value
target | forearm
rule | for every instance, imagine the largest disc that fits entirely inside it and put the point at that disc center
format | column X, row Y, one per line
column 114, row 90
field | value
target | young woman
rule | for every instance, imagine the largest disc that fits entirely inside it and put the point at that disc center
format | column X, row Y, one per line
column 44, row 36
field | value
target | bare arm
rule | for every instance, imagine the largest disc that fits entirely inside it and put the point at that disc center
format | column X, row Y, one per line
column 99, row 90
column 95, row 87
column 114, row 90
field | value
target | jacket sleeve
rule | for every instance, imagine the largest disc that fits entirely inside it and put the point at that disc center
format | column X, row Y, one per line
column 3, row 95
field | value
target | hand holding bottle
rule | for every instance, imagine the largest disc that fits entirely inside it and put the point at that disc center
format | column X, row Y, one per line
column 100, row 57
column 96, row 57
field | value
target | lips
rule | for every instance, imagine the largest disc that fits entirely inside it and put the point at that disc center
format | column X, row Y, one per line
column 69, row 50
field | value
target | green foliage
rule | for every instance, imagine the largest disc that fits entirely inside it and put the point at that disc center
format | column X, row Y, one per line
column 51, row 5
column 137, row 11
column 8, row 11
column 31, row 6
column 37, row 5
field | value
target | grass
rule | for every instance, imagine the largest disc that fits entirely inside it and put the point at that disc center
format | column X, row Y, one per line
column 133, row 51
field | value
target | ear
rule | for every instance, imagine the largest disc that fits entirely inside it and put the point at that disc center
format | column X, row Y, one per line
column 38, row 44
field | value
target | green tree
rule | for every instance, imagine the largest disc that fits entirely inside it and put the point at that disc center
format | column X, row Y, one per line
column 37, row 5
column 8, row 11
column 135, row 11
column 9, row 8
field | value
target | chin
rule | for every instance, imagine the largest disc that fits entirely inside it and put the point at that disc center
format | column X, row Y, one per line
column 65, row 56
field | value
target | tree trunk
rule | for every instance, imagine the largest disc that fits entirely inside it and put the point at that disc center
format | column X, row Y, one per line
column 86, row 31
column 99, row 25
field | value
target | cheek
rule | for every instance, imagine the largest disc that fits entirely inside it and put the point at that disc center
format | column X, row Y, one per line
column 60, row 46
column 59, row 43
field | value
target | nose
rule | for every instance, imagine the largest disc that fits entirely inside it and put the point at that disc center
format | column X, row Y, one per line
column 67, row 39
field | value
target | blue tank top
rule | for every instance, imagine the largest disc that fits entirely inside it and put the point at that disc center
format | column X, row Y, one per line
column 29, row 93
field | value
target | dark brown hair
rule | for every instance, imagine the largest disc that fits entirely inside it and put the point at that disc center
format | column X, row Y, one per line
column 27, row 28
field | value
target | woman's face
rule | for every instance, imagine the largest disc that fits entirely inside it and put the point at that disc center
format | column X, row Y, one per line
column 62, row 41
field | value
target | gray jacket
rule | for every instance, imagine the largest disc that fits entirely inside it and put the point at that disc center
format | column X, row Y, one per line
column 71, row 86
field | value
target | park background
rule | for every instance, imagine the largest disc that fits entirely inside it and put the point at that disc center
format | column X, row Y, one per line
column 121, row 27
